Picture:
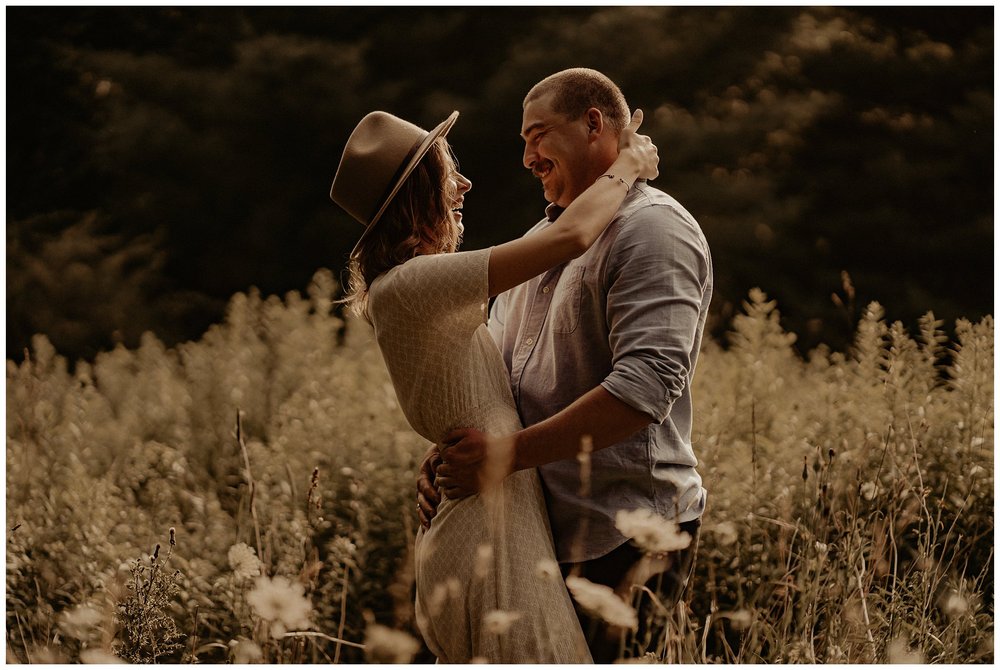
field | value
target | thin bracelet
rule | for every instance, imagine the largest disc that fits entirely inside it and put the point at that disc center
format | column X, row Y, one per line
column 611, row 176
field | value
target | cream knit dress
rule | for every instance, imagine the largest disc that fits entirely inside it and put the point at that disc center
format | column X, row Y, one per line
column 487, row 585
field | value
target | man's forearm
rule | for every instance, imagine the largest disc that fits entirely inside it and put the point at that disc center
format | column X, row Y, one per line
column 597, row 414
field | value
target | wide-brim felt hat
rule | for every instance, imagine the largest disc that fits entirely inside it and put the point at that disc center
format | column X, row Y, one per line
column 380, row 154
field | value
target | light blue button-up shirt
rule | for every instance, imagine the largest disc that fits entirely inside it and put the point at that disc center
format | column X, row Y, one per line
column 627, row 315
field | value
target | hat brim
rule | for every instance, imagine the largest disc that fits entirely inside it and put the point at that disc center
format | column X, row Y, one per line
column 440, row 131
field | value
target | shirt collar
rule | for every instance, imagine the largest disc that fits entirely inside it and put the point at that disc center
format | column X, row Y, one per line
column 552, row 211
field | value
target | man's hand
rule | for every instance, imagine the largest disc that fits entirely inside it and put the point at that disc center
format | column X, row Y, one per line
column 472, row 461
column 427, row 493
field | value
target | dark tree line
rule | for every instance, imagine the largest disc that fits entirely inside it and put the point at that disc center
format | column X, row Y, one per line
column 160, row 159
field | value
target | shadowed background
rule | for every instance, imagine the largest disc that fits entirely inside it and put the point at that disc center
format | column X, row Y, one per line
column 161, row 159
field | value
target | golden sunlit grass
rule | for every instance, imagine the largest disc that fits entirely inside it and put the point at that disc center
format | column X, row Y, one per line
column 850, row 515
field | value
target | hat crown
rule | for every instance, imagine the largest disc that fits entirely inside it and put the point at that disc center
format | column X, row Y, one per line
column 378, row 149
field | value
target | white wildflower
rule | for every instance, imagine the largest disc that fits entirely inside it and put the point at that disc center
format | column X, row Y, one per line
column 43, row 656
column 738, row 619
column 282, row 602
column 726, row 533
column 601, row 601
column 649, row 658
column 244, row 562
column 546, row 568
column 245, row 651
column 954, row 605
column 652, row 532
column 442, row 592
column 499, row 622
column 834, row 654
column 98, row 656
column 454, row 587
column 869, row 490
column 385, row 645
column 898, row 652
column 80, row 621
column 484, row 560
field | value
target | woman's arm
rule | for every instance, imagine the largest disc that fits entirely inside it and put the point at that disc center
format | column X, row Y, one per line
column 578, row 227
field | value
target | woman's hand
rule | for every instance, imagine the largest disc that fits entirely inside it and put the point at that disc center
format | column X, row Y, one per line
column 639, row 148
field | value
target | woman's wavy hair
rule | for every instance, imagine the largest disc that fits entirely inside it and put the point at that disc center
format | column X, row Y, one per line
column 417, row 222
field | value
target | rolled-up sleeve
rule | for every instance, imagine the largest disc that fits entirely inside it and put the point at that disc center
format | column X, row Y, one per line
column 657, row 274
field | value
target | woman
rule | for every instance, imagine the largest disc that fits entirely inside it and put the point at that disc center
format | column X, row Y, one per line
column 487, row 585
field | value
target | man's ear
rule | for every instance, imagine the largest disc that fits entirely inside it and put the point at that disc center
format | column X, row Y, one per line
column 595, row 122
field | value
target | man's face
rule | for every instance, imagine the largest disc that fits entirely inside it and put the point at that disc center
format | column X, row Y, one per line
column 556, row 150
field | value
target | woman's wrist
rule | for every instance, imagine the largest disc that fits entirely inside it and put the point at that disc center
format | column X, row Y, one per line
column 626, row 168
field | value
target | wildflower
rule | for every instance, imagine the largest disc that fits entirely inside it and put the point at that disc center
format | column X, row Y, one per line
column 601, row 601
column 454, row 587
column 443, row 591
column 954, row 605
column 98, row 656
column 385, row 645
column 499, row 622
column 649, row 658
column 43, row 656
column 869, row 490
column 80, row 622
column 245, row 651
column 484, row 560
column 651, row 532
column 740, row 619
column 547, row 569
column 897, row 652
column 244, row 562
column 282, row 602
column 726, row 533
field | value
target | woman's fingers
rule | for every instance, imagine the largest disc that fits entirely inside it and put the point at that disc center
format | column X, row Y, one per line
column 636, row 121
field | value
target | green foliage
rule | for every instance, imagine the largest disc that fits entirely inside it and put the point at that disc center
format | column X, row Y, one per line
column 850, row 512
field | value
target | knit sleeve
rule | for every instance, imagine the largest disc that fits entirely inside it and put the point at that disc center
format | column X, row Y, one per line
column 449, row 290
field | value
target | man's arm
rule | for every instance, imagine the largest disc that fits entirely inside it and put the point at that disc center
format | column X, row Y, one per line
column 471, row 456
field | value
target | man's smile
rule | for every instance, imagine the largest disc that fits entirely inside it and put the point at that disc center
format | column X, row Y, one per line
column 542, row 169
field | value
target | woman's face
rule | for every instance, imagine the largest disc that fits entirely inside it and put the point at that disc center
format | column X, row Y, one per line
column 457, row 186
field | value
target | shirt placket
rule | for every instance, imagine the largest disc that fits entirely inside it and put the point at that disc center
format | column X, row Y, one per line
column 531, row 328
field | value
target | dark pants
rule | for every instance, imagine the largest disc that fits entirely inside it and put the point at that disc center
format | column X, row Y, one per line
column 668, row 580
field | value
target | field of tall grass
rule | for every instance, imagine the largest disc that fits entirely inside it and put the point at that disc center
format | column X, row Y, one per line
column 248, row 497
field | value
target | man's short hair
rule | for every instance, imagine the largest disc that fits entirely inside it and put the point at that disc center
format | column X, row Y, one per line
column 578, row 89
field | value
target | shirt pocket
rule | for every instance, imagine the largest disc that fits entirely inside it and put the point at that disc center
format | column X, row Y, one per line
column 566, row 301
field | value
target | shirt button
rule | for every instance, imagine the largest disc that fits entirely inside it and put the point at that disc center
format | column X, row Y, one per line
column 529, row 341
column 545, row 290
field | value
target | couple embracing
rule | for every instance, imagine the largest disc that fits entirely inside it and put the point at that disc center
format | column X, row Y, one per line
column 566, row 403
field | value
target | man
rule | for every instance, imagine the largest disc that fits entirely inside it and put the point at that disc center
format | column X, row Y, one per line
column 601, row 352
